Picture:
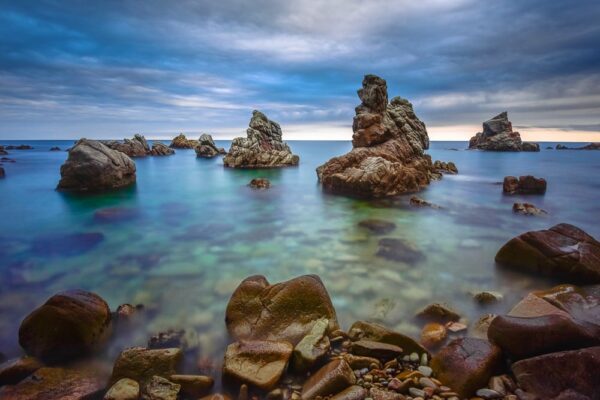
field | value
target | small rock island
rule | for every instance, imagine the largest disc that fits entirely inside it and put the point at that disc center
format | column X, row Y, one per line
column 498, row 135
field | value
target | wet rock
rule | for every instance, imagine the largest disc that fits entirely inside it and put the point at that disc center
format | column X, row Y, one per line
column 530, row 146
column 380, row 394
column 487, row 297
column 80, row 323
column 15, row 370
column 141, row 364
column 498, row 135
column 172, row 338
column 466, row 364
column 66, row 245
column 481, row 326
column 445, row 167
column 416, row 201
column 330, row 379
column 524, row 185
column 159, row 388
column 207, row 148
column 193, row 385
column 283, row 311
column 354, row 392
column 563, row 251
column 395, row 249
column 433, row 335
column 312, row 348
column 377, row 226
column 438, row 312
column 369, row 348
column 563, row 375
column 126, row 312
column 262, row 148
column 116, row 214
column 388, row 157
column 528, row 209
column 123, row 389
column 92, row 166
column 257, row 362
column 181, row 142
column 55, row 384
column 591, row 146
column 378, row 333
column 136, row 147
column 260, row 183
column 161, row 149
column 55, row 148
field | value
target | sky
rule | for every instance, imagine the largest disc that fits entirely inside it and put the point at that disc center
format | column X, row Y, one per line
column 109, row 69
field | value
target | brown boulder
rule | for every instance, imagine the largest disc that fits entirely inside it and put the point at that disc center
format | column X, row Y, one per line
column 80, row 323
column 466, row 364
column 182, row 142
column 207, row 148
column 260, row 183
column 382, row 351
column 528, row 209
column 497, row 135
column 123, row 389
column 257, row 362
column 563, row 251
column 524, row 185
column 561, row 376
column 433, row 335
column 141, row 364
column 159, row 388
column 378, row 333
column 161, row 149
column 283, row 311
column 312, row 348
column 330, row 379
column 445, row 167
column 438, row 312
column 396, row 249
column 193, row 385
column 354, row 392
column 15, row 370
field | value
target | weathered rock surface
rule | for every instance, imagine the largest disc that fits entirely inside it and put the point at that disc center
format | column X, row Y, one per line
column 141, row 364
column 438, row 312
column 15, row 370
column 161, row 149
column 388, row 148
column 378, row 333
column 55, row 384
column 466, row 364
column 498, row 135
column 123, row 389
column 524, row 185
column 207, row 148
column 433, row 335
column 79, row 322
column 260, row 183
column 261, row 148
column 182, row 142
column 136, row 147
column 283, row 311
column 561, row 376
column 445, row 167
column 528, row 209
column 193, row 385
column 159, row 388
column 330, row 379
column 257, row 362
column 379, row 350
column 92, row 166
column 563, row 251
column 354, row 392
column 312, row 348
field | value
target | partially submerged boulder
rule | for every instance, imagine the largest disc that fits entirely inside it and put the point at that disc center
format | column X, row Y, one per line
column 92, row 166
column 388, row 148
column 528, row 209
column 445, row 167
column 530, row 146
column 15, row 370
column 260, row 183
column 527, row 184
column 563, row 251
column 207, row 148
column 136, row 147
column 70, row 324
column 182, row 142
column 161, row 149
column 498, row 135
column 262, row 148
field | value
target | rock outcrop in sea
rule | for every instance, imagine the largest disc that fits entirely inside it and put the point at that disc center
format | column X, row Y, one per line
column 527, row 184
column 207, row 148
column 498, row 135
column 182, row 142
column 138, row 147
column 388, row 148
column 92, row 166
column 591, row 146
column 262, row 147
column 3, row 152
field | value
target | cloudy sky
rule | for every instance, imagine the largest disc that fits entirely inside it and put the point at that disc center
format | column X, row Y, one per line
column 108, row 69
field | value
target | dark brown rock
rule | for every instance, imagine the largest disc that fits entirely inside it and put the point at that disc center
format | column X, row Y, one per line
column 15, row 370
column 141, row 364
column 193, row 385
column 207, row 148
column 330, row 379
column 438, row 312
column 445, row 167
column 524, row 185
column 354, row 392
column 161, row 149
column 466, row 364
column 369, row 348
column 136, row 147
column 260, row 183
column 561, row 376
column 563, row 251
column 378, row 333
column 283, row 311
column 528, row 209
column 498, row 135
column 416, row 201
column 80, row 323
column 530, row 146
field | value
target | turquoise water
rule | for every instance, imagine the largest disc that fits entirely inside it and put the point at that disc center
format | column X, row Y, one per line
column 191, row 230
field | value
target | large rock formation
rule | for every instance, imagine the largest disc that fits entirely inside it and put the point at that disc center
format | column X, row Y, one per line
column 207, row 148
column 161, row 149
column 182, row 142
column 92, row 166
column 388, row 148
column 498, row 135
column 136, row 147
column 262, row 148
column 563, row 251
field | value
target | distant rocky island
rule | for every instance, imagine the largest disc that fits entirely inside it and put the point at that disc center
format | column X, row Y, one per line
column 138, row 147
column 498, row 135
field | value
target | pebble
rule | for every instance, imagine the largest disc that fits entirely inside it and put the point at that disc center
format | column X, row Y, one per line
column 424, row 359
column 488, row 394
column 416, row 392
column 414, row 357
column 426, row 382
column 425, row 370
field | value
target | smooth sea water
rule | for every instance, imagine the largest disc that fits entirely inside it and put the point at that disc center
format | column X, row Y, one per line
column 194, row 229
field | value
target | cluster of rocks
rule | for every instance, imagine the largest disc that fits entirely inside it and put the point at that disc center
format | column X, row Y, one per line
column 442, row 167
column 591, row 146
column 18, row 147
column 182, row 142
column 527, row 184
column 528, row 209
column 262, row 147
column 138, row 147
column 207, row 148
column 260, row 183
column 388, row 156
column 498, row 135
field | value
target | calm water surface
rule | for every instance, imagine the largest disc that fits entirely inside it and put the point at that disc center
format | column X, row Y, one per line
column 194, row 230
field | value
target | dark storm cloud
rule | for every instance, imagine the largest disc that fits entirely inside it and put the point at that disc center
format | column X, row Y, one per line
column 69, row 68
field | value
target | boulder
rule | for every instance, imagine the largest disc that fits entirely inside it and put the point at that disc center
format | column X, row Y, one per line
column 260, row 183
column 161, row 149
column 416, row 201
column 20, row 147
column 141, row 364
column 193, row 385
column 378, row 333
column 530, row 146
column 80, row 323
column 312, row 348
column 396, row 249
column 330, row 379
column 381, row 351
column 181, row 142
column 123, row 389
column 466, row 364
column 261, row 148
column 15, row 370
column 136, row 147
column 528, row 209
column 563, row 251
column 498, row 135
column 524, row 185
column 438, row 312
column 55, row 384
column 445, row 167
column 207, row 148
column 564, row 375
column 91, row 166
column 159, row 388
column 388, row 156
column 283, row 311
column 433, row 335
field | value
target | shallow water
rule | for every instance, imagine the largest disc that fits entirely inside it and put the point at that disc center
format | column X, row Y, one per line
column 193, row 230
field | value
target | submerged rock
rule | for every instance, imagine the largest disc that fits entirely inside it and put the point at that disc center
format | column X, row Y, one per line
column 136, row 147
column 207, row 148
column 330, row 379
column 283, row 311
column 79, row 322
column 262, row 148
column 498, row 135
column 438, row 312
column 528, row 209
column 395, row 249
column 260, row 183
column 563, row 251
column 182, row 142
column 524, row 185
column 66, row 245
column 92, row 166
column 416, row 201
column 377, row 226
column 161, row 149
column 388, row 148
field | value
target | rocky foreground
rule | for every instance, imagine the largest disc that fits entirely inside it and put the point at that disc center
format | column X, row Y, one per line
column 498, row 135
